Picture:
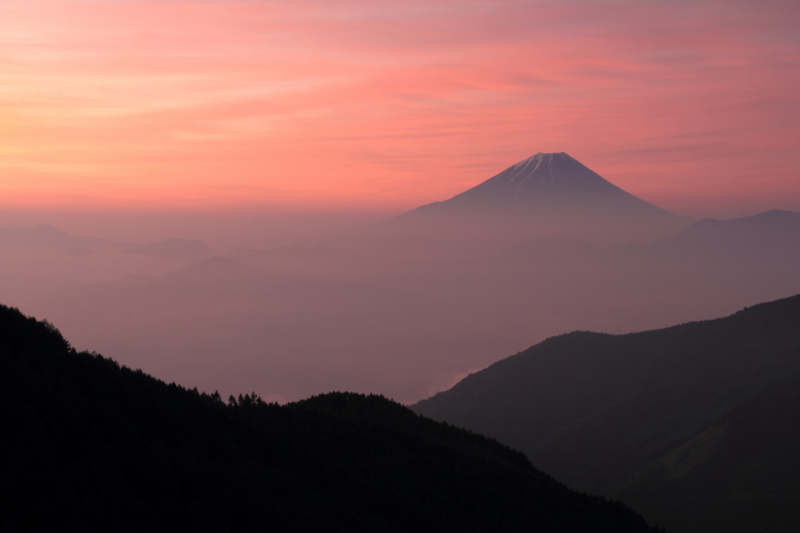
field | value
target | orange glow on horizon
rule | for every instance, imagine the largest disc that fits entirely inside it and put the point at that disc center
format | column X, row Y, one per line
column 353, row 103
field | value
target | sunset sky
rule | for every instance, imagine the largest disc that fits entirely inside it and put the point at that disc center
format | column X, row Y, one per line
column 692, row 105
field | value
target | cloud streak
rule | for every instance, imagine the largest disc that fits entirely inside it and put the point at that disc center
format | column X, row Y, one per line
column 394, row 104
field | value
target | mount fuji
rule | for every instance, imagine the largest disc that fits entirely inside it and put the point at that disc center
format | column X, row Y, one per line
column 546, row 184
column 546, row 195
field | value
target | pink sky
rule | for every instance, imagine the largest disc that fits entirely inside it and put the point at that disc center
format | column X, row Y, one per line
column 694, row 106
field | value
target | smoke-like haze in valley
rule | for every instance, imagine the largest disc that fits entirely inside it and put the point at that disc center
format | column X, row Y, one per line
column 290, row 304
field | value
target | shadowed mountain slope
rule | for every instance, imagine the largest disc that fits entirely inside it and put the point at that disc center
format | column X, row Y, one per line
column 694, row 425
column 88, row 445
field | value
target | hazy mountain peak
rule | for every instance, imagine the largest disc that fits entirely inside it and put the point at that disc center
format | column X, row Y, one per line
column 44, row 236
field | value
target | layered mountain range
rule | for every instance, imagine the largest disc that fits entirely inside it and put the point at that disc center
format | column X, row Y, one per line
column 89, row 445
column 693, row 425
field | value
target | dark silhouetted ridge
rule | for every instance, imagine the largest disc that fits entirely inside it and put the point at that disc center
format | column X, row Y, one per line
column 89, row 445
column 695, row 425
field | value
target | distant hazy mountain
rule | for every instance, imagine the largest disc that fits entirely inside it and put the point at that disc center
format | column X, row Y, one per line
column 174, row 250
column 88, row 445
column 697, row 426
column 768, row 234
column 45, row 236
column 772, row 232
column 546, row 195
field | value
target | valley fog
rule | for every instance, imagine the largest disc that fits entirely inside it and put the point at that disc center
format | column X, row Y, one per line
column 294, row 304
column 289, row 304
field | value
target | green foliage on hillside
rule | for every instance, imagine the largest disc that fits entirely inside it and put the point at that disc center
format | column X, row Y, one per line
column 696, row 426
column 89, row 445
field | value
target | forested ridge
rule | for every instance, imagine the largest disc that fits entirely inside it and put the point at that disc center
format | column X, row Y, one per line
column 696, row 426
column 90, row 445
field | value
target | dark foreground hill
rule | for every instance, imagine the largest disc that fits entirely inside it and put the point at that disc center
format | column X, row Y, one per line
column 696, row 426
column 88, row 445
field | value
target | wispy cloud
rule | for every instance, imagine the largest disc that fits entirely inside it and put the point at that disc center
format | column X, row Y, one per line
column 391, row 103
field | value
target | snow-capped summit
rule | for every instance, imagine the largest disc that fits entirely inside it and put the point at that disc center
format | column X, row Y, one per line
column 545, row 184
column 546, row 195
column 542, row 174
